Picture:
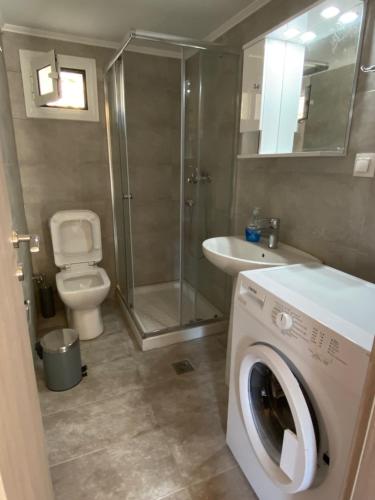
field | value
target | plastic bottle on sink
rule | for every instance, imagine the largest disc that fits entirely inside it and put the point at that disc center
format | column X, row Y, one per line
column 252, row 231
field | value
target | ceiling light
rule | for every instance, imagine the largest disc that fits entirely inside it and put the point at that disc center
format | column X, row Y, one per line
column 330, row 12
column 307, row 37
column 291, row 33
column 348, row 17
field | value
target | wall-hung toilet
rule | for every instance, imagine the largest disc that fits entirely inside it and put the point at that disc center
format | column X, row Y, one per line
column 81, row 284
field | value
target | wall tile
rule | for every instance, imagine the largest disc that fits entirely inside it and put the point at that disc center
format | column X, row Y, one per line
column 16, row 94
column 63, row 163
column 155, row 256
column 153, row 115
column 361, row 137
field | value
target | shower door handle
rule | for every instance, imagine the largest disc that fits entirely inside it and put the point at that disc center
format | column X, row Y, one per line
column 127, row 196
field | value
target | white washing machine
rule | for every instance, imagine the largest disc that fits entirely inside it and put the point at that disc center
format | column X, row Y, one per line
column 302, row 337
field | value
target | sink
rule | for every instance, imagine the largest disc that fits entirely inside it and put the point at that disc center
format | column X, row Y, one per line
column 234, row 254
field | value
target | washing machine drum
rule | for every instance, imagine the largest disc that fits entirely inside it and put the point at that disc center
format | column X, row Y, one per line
column 278, row 418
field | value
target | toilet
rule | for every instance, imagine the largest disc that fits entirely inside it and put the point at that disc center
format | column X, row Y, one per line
column 81, row 284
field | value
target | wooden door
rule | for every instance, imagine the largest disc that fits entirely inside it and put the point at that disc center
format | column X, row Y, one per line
column 24, row 472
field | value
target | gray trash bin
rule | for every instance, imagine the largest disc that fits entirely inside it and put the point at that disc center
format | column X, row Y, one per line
column 61, row 359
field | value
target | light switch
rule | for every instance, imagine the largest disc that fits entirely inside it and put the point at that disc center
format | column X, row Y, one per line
column 364, row 165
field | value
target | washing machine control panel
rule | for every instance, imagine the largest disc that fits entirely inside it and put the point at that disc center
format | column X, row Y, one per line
column 284, row 320
column 324, row 348
column 324, row 345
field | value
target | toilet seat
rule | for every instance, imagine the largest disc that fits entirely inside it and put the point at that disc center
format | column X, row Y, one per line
column 87, row 279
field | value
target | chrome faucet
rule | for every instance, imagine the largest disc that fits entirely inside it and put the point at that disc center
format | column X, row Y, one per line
column 270, row 226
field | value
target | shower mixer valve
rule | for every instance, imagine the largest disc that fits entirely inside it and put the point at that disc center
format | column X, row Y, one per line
column 196, row 178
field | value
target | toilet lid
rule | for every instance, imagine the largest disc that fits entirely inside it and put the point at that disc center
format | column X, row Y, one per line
column 76, row 237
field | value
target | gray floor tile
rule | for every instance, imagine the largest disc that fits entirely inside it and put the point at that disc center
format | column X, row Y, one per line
column 45, row 325
column 103, row 381
column 230, row 485
column 109, row 306
column 135, row 430
column 223, row 340
column 174, row 400
column 107, row 347
column 178, row 495
column 137, row 468
column 199, row 446
column 90, row 427
column 206, row 356
column 113, row 322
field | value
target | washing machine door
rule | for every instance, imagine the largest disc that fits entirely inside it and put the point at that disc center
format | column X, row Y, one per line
column 278, row 419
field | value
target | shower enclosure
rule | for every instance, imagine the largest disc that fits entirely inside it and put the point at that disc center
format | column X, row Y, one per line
column 171, row 108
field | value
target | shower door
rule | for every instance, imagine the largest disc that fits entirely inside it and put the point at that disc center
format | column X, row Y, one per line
column 121, row 197
column 152, row 124
column 171, row 117
column 211, row 83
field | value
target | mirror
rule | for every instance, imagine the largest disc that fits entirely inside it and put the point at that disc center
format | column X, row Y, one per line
column 298, row 81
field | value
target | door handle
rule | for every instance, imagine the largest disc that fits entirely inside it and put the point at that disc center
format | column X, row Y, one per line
column 33, row 239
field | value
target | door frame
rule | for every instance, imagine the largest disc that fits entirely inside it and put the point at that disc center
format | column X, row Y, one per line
column 360, row 480
column 24, row 470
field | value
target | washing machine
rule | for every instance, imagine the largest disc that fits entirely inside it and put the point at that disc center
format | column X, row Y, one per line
column 302, row 337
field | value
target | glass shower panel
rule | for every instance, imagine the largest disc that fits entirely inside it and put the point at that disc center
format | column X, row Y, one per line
column 191, row 167
column 219, row 77
column 152, row 90
column 119, row 180
column 211, row 83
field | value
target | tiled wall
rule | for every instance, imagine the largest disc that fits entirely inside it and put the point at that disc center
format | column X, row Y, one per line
column 8, row 158
column 323, row 208
column 63, row 163
column 152, row 90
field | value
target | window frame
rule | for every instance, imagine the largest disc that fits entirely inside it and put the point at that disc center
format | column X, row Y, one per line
column 46, row 59
column 33, row 110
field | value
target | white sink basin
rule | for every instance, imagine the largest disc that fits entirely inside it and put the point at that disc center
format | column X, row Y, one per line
column 234, row 254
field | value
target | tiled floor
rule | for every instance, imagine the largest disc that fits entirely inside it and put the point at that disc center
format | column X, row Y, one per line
column 134, row 430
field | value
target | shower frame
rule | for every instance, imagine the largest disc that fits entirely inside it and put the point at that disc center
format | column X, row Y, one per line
column 181, row 332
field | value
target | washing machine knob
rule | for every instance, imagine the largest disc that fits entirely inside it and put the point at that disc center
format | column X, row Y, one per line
column 284, row 321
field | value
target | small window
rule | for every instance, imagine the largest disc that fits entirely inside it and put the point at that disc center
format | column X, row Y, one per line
column 59, row 86
column 72, row 90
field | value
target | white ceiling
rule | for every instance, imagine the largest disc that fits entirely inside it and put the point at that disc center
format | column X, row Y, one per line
column 110, row 20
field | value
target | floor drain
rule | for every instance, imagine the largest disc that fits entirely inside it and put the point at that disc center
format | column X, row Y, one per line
column 183, row 367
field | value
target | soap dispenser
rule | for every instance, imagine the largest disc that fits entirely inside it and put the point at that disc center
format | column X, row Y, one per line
column 252, row 231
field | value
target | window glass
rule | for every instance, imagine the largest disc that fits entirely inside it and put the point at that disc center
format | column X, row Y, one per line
column 270, row 408
column 72, row 89
column 271, row 411
column 44, row 81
